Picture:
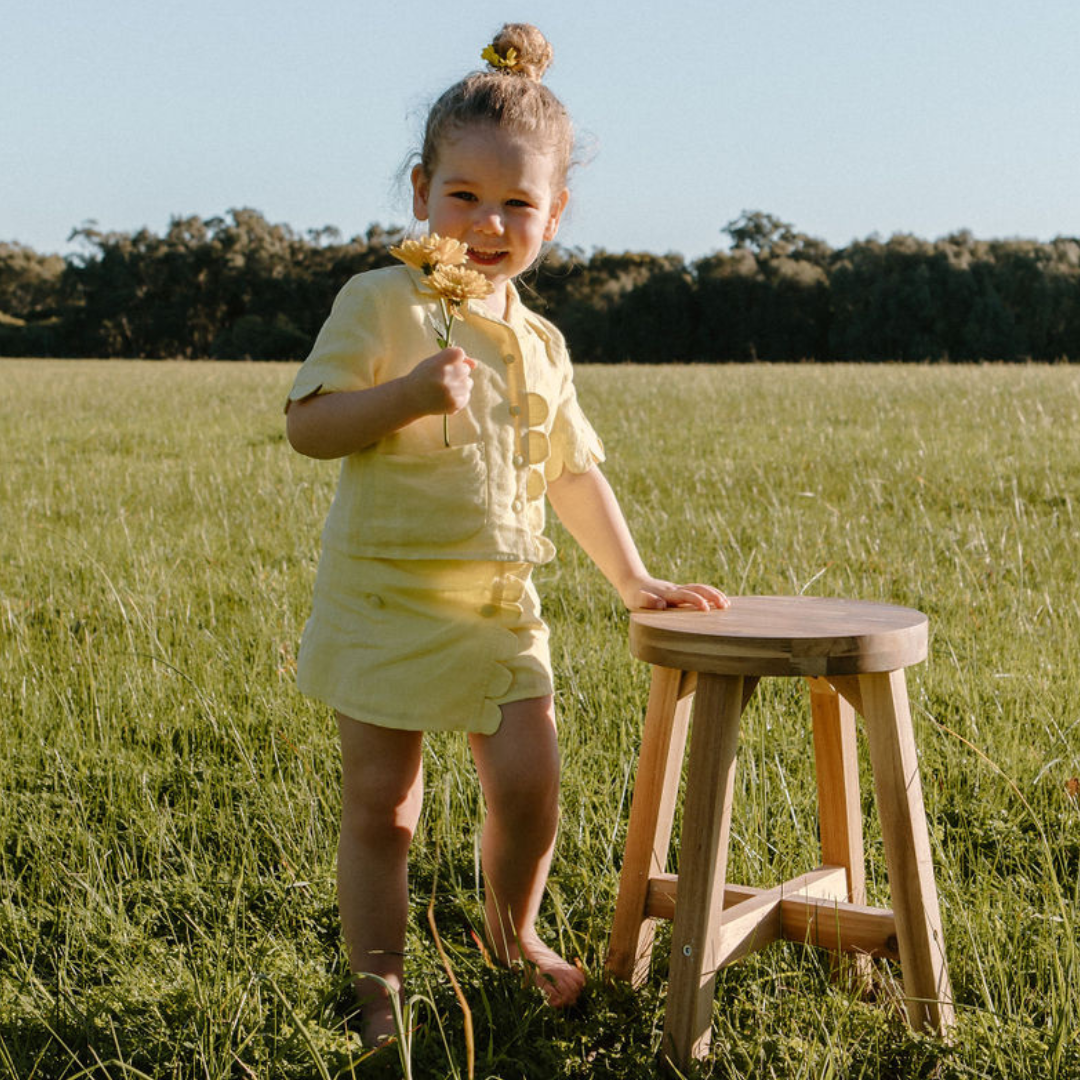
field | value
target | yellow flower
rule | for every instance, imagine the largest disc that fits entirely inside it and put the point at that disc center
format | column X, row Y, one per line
column 456, row 284
column 430, row 252
column 441, row 259
column 496, row 61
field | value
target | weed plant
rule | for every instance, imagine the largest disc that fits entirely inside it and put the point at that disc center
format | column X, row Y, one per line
column 168, row 801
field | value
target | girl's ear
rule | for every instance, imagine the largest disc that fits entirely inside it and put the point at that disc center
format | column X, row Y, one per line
column 558, row 205
column 421, row 188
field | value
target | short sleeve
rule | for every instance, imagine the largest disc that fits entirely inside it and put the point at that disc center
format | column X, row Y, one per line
column 574, row 443
column 348, row 350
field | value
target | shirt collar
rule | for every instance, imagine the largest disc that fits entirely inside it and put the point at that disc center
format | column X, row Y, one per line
column 515, row 309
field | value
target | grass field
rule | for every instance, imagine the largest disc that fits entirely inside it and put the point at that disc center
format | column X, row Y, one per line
column 168, row 801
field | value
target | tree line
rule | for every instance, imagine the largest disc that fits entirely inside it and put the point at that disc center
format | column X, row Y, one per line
column 240, row 287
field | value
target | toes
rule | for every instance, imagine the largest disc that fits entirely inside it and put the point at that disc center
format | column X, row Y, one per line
column 562, row 989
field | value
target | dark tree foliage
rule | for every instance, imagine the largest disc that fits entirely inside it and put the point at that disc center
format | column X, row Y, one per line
column 30, row 305
column 230, row 288
column 238, row 287
column 617, row 307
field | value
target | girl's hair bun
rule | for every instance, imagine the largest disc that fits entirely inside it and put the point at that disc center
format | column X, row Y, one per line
column 519, row 49
column 509, row 94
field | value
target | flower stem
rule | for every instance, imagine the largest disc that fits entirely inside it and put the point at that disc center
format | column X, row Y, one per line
column 445, row 340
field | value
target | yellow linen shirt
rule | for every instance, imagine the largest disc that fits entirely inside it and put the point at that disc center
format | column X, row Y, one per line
column 482, row 498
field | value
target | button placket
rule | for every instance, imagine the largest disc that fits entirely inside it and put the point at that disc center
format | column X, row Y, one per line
column 518, row 408
column 536, row 447
column 528, row 412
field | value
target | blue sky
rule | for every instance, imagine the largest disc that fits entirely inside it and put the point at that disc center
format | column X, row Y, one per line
column 845, row 118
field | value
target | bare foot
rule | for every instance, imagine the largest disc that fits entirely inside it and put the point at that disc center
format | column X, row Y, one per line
column 377, row 1024
column 560, row 982
column 376, row 1012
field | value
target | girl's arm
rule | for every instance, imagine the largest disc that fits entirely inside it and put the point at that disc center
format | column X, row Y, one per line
column 336, row 424
column 587, row 506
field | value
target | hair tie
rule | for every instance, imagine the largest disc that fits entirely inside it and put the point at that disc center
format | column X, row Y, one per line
column 510, row 60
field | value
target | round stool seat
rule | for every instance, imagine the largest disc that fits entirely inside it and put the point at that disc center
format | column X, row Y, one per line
column 782, row 635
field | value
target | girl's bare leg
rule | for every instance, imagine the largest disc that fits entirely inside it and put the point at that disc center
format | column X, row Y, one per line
column 519, row 773
column 381, row 791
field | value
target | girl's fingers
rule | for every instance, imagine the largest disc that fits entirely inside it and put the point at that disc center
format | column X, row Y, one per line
column 458, row 382
column 701, row 597
column 687, row 596
column 713, row 596
column 651, row 602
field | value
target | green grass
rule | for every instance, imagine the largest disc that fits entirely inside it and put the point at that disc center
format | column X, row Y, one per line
column 168, row 801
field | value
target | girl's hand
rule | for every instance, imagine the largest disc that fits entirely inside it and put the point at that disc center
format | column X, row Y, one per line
column 653, row 594
column 442, row 383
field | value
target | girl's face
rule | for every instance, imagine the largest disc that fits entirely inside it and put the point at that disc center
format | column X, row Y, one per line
column 494, row 191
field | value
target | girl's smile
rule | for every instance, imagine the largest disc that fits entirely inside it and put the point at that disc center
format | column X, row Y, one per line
column 486, row 258
column 494, row 191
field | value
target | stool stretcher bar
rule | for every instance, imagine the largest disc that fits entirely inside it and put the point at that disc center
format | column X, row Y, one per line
column 807, row 917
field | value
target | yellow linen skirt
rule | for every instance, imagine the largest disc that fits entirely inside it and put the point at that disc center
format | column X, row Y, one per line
column 424, row 644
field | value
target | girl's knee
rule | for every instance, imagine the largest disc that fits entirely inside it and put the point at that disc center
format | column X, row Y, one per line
column 525, row 800
column 384, row 823
column 382, row 783
column 519, row 764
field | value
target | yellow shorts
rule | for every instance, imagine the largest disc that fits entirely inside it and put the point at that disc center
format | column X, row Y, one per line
column 424, row 644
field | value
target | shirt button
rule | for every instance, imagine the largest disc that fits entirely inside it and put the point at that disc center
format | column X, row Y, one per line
column 488, row 610
column 375, row 600
column 517, row 506
column 519, row 460
column 509, row 358
column 515, row 410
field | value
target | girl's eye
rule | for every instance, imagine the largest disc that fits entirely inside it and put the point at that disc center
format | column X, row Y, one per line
column 517, row 203
column 465, row 196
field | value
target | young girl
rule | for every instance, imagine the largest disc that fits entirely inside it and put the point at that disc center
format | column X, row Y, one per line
column 424, row 615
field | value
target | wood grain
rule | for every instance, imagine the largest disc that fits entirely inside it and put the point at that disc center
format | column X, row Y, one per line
column 782, row 635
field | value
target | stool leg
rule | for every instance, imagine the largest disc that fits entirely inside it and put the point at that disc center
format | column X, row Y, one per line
column 907, row 850
column 696, row 937
column 836, row 764
column 652, row 812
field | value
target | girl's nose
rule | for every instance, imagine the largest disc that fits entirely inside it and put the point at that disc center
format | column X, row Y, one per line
column 489, row 220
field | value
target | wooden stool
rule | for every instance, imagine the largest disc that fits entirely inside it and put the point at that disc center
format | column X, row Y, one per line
column 854, row 654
